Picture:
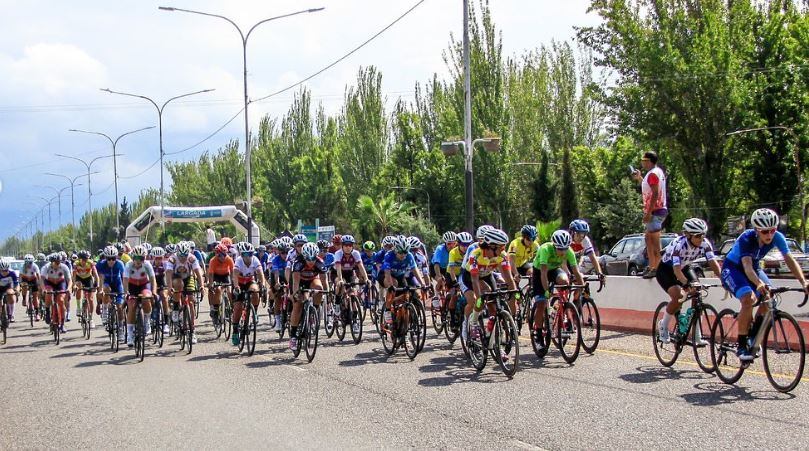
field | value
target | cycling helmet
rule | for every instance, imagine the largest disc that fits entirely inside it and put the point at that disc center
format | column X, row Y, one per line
column 157, row 251
column 147, row 246
column 309, row 251
column 561, row 239
column 401, row 245
column 482, row 231
column 336, row 239
column 580, row 226
column 387, row 241
column 449, row 236
column 110, row 252
column 244, row 248
column 764, row 218
column 171, row 248
column 192, row 244
column 262, row 248
column 414, row 242
column 322, row 245
column 84, row 255
column 221, row 249
column 299, row 238
column 73, row 256
column 54, row 257
column 183, row 249
column 495, row 237
column 3, row 264
column 227, row 241
column 119, row 247
column 139, row 251
column 695, row 225
column 369, row 246
column 63, row 255
column 28, row 258
column 287, row 240
column 347, row 239
column 41, row 256
column 465, row 238
column 282, row 246
column 529, row 230
column 127, row 247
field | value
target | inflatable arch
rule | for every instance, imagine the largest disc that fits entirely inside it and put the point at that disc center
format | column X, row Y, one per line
column 153, row 215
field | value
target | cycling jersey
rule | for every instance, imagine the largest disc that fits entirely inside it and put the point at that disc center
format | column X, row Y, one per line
column 113, row 275
column 308, row 271
column 441, row 256
column 292, row 257
column 265, row 259
column 30, row 271
column 681, row 253
column 379, row 257
column 368, row 262
column 468, row 252
column 747, row 246
column 180, row 269
column 522, row 254
column 397, row 267
column 583, row 248
column 139, row 276
column 125, row 258
column 246, row 272
column 219, row 267
column 198, row 255
column 10, row 279
column 546, row 255
column 479, row 265
column 279, row 263
column 159, row 267
column 347, row 262
column 422, row 262
column 455, row 257
column 83, row 270
column 328, row 260
column 57, row 275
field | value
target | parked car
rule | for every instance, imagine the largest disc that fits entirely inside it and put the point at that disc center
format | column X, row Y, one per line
column 15, row 264
column 628, row 256
column 773, row 263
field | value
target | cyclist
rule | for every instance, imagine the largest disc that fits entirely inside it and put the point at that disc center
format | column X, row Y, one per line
column 553, row 264
column 265, row 258
column 248, row 274
column 454, row 263
column 307, row 272
column 9, row 288
column 110, row 271
column 56, row 277
column 298, row 241
column 440, row 260
column 139, row 278
column 478, row 277
column 158, row 255
column 368, row 251
column 220, row 269
column 422, row 260
column 41, row 260
column 742, row 274
column 399, row 269
column 30, row 276
column 582, row 246
column 348, row 262
column 521, row 252
column 85, row 275
column 675, row 273
column 278, row 278
column 182, row 269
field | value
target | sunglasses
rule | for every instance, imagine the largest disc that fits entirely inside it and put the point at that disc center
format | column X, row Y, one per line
column 247, row 254
column 222, row 254
column 698, row 235
column 109, row 259
column 138, row 259
column 766, row 231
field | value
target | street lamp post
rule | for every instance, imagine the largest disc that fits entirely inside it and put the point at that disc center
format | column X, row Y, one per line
column 114, row 143
column 50, row 219
column 429, row 215
column 796, row 156
column 467, row 119
column 58, row 193
column 247, row 149
column 72, row 182
column 468, row 151
column 89, row 185
column 160, row 133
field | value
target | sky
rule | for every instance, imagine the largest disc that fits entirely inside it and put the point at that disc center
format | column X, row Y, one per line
column 55, row 56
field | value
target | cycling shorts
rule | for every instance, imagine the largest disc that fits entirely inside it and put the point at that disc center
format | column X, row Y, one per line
column 735, row 280
column 666, row 278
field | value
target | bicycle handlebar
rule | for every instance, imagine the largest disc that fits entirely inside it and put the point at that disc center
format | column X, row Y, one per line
column 599, row 279
column 779, row 290
column 497, row 293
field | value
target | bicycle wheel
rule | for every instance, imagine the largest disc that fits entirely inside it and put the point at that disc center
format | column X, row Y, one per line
column 356, row 319
column 328, row 318
column 3, row 324
column 723, row 353
column 112, row 327
column 541, row 337
column 422, row 317
column 312, row 326
column 506, row 343
column 244, row 324
column 568, row 333
column 56, row 322
column 374, row 313
column 189, row 330
column 590, row 326
column 339, row 321
column 437, row 315
column 31, row 314
column 197, row 302
column 140, row 338
column 666, row 353
column 227, row 323
column 476, row 347
column 701, row 337
column 252, row 325
column 411, row 330
column 284, row 318
column 784, row 352
column 219, row 326
column 386, row 334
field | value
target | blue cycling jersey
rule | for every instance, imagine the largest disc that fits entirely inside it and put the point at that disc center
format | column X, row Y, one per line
column 368, row 262
column 441, row 256
column 398, row 268
column 279, row 264
column 265, row 261
column 113, row 275
column 328, row 260
column 747, row 246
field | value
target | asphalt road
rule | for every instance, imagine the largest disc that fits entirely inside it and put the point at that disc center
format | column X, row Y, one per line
column 80, row 395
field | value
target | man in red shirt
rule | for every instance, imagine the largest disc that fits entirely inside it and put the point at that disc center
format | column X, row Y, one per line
column 655, row 210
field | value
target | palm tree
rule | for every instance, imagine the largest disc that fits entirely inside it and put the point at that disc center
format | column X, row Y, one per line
column 379, row 218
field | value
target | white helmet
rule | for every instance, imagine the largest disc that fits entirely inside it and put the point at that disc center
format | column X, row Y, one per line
column 414, row 242
column 449, row 236
column 695, row 225
column 309, row 251
column 388, row 241
column 401, row 245
column 465, row 238
column 764, row 218
column 561, row 239
column 28, row 258
column 183, row 249
column 110, row 252
column 3, row 264
column 300, row 238
column 139, row 251
column 482, row 231
column 495, row 237
column 157, row 251
column 244, row 246
column 41, row 256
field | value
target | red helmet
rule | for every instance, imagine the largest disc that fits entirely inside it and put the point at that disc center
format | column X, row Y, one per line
column 336, row 239
column 227, row 241
column 221, row 249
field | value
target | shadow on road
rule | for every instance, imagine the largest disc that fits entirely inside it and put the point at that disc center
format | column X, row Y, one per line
column 717, row 393
column 127, row 359
column 650, row 374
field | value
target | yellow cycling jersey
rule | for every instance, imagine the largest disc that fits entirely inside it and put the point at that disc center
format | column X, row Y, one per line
column 455, row 257
column 479, row 265
column 84, row 270
column 125, row 258
column 522, row 254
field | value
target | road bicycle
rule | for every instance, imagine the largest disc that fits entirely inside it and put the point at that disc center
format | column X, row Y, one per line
column 499, row 336
column 307, row 333
column 691, row 328
column 139, row 331
column 405, row 330
column 562, row 325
